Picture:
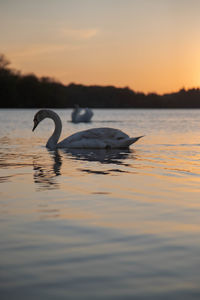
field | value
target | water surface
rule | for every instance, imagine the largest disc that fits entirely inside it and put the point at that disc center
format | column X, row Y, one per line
column 114, row 224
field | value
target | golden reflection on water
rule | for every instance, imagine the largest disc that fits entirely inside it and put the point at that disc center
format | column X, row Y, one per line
column 117, row 189
column 153, row 187
column 129, row 217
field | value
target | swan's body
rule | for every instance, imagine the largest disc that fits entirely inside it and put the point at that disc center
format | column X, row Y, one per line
column 79, row 116
column 99, row 138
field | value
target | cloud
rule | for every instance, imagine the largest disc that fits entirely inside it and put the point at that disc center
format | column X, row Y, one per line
column 81, row 34
column 66, row 42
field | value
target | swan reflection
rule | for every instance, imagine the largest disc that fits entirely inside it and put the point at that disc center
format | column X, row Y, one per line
column 45, row 172
column 46, row 169
column 104, row 156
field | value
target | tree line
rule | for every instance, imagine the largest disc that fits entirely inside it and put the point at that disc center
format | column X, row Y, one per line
column 29, row 91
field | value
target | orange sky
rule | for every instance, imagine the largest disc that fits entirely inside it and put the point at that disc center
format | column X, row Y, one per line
column 148, row 45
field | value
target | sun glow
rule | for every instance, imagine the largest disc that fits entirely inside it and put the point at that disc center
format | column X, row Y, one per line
column 150, row 46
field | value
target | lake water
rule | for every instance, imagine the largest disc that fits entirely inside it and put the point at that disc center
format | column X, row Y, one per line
column 101, row 224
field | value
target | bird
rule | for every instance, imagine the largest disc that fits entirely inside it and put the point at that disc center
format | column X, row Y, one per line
column 79, row 116
column 95, row 138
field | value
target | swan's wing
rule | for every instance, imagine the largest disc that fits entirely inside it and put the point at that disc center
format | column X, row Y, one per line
column 98, row 133
column 88, row 112
column 98, row 138
column 84, row 116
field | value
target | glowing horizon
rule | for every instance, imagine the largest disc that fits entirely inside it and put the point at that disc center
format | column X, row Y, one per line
column 147, row 45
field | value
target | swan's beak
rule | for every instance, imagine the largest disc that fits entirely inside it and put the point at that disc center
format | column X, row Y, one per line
column 35, row 125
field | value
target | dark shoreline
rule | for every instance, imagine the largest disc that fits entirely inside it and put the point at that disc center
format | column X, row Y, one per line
column 30, row 91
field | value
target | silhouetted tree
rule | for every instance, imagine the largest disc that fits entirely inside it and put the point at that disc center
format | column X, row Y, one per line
column 29, row 91
column 4, row 62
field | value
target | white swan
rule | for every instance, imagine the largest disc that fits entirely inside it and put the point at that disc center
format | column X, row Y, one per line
column 99, row 138
column 79, row 116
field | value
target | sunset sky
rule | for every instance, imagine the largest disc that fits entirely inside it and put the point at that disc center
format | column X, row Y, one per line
column 148, row 45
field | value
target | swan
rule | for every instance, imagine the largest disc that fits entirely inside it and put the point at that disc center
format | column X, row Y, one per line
column 78, row 116
column 98, row 138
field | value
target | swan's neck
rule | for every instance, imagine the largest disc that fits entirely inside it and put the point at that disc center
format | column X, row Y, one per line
column 75, row 114
column 53, row 140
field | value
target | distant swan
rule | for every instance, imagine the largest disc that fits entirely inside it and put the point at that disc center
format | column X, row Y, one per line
column 98, row 138
column 79, row 116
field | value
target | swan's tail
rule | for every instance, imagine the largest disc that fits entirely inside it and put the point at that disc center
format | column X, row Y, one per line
column 131, row 141
column 135, row 139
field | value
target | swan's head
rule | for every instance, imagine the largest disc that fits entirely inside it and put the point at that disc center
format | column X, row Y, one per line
column 39, row 116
